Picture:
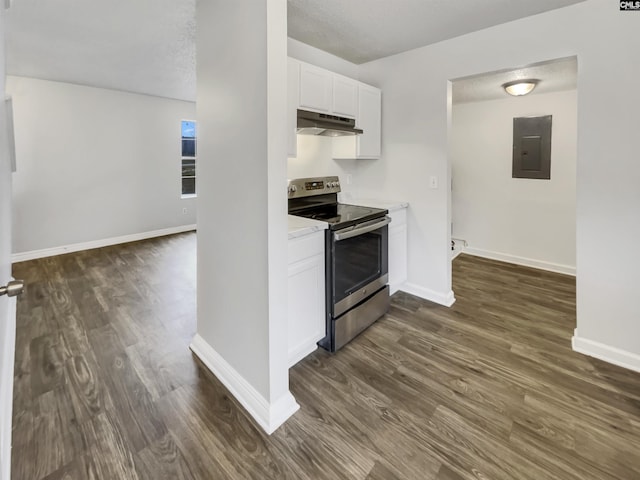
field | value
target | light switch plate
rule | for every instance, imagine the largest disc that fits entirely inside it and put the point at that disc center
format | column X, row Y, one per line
column 433, row 181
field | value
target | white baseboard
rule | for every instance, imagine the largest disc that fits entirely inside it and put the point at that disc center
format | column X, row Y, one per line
column 446, row 299
column 394, row 287
column 607, row 353
column 76, row 247
column 268, row 416
column 526, row 262
column 301, row 352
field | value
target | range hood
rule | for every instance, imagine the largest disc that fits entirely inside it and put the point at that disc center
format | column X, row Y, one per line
column 312, row 123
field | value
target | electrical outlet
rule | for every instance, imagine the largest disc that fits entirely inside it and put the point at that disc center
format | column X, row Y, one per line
column 184, row 211
column 349, row 178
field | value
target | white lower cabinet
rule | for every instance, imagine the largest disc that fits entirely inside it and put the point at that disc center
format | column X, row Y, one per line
column 397, row 249
column 306, row 289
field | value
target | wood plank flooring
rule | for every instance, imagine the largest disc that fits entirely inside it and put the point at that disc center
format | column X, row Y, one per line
column 106, row 387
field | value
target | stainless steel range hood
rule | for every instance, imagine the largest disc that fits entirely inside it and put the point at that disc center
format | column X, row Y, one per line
column 312, row 123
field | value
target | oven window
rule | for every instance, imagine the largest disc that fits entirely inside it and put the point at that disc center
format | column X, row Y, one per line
column 358, row 261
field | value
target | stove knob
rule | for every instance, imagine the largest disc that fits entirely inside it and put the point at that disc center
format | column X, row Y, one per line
column 337, row 184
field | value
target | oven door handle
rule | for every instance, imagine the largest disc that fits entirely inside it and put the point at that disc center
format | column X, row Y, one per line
column 355, row 231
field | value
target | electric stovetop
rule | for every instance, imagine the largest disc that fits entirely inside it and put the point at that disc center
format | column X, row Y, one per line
column 317, row 198
column 342, row 215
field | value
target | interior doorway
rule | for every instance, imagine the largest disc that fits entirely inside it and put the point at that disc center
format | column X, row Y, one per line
column 494, row 215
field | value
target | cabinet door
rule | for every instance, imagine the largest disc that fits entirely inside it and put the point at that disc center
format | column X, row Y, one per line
column 293, row 94
column 369, row 119
column 345, row 96
column 316, row 85
column 306, row 307
column 397, row 249
column 397, row 257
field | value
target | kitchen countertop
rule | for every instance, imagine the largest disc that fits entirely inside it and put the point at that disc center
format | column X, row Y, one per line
column 390, row 205
column 300, row 226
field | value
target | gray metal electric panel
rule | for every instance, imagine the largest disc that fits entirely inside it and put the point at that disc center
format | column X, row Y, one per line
column 532, row 147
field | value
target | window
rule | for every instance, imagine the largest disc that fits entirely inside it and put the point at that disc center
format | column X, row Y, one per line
column 188, row 157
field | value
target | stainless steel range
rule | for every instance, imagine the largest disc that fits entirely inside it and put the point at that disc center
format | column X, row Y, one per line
column 356, row 257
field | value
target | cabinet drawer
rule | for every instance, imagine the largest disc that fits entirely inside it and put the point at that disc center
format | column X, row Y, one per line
column 305, row 247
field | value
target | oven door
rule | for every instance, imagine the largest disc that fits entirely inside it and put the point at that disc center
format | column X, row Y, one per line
column 359, row 263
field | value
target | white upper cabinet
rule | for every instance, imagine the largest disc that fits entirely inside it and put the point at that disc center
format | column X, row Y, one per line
column 345, row 96
column 316, row 86
column 293, row 96
column 369, row 119
column 319, row 90
column 327, row 92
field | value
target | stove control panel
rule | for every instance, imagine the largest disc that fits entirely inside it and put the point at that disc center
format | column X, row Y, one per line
column 307, row 187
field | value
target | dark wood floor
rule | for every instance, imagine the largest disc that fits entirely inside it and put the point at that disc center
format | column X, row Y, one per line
column 106, row 388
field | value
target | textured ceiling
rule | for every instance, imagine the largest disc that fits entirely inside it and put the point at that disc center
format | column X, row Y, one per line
column 143, row 46
column 365, row 30
column 554, row 76
column 148, row 46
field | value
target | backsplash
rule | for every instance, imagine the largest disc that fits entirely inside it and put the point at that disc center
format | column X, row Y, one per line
column 315, row 160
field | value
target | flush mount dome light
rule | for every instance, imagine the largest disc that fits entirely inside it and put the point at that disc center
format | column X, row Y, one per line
column 518, row 88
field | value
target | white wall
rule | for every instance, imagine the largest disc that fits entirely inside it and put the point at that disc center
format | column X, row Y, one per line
column 315, row 159
column 416, row 117
column 242, row 206
column 531, row 222
column 94, row 164
column 7, row 305
column 315, row 56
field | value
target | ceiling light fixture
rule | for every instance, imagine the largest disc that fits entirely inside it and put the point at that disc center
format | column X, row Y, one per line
column 518, row 88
